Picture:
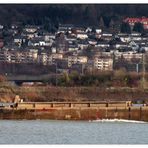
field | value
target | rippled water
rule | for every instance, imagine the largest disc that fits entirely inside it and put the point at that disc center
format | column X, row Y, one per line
column 72, row 132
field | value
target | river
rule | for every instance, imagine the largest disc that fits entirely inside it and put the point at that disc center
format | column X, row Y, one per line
column 72, row 132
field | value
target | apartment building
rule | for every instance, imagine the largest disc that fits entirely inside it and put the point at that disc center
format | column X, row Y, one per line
column 53, row 57
column 31, row 55
column 43, row 58
column 103, row 63
column 76, row 60
column 128, row 55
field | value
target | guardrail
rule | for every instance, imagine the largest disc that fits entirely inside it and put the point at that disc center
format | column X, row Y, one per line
column 49, row 105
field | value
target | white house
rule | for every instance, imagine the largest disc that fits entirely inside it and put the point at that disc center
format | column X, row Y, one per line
column 82, row 36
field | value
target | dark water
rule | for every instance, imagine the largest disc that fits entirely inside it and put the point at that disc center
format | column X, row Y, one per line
column 72, row 132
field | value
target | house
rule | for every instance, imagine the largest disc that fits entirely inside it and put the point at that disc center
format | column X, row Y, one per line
column 103, row 63
column 70, row 38
column 79, row 29
column 72, row 47
column 144, row 47
column 13, row 32
column 121, row 45
column 98, row 30
column 49, row 36
column 1, row 27
column 102, row 44
column 63, row 28
column 29, row 35
column 98, row 35
column 144, row 38
column 31, row 28
column 125, row 38
column 133, row 20
column 53, row 49
column 38, row 41
column 107, row 34
column 82, row 44
column 19, row 40
column 82, row 36
column 133, row 45
column 92, row 42
column 88, row 29
column 15, row 25
column 49, row 43
column 135, row 34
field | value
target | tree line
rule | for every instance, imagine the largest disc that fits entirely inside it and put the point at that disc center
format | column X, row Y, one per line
column 103, row 79
column 51, row 15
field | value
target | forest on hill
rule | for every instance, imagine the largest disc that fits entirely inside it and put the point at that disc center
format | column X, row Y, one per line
column 84, row 14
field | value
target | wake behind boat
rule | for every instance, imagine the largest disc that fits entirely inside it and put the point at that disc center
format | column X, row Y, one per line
column 117, row 120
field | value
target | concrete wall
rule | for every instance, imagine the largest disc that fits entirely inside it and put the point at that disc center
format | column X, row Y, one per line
column 74, row 111
column 85, row 113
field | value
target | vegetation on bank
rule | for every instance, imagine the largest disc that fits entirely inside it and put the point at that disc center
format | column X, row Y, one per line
column 117, row 85
column 103, row 79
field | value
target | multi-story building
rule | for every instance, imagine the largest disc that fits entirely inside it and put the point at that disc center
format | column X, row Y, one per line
column 32, row 55
column 76, row 60
column 31, row 29
column 43, row 58
column 128, row 55
column 103, row 63
column 54, row 56
column 2, row 56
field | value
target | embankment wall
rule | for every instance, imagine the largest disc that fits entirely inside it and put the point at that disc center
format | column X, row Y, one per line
column 77, row 113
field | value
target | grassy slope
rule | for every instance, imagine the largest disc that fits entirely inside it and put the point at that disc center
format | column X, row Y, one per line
column 46, row 93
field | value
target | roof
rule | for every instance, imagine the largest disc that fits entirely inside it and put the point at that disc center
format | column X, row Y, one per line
column 143, row 19
column 31, row 26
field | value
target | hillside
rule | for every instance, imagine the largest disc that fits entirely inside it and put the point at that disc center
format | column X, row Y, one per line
column 63, row 13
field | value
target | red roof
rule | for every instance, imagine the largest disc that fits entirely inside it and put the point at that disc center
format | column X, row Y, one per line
column 143, row 19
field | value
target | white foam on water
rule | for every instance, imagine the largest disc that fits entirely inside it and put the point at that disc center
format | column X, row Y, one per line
column 117, row 120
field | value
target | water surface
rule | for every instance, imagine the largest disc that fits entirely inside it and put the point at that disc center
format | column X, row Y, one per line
column 72, row 132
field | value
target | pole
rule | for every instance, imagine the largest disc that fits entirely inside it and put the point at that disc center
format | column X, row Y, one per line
column 56, row 82
column 143, row 77
column 82, row 69
column 137, row 68
column 56, row 74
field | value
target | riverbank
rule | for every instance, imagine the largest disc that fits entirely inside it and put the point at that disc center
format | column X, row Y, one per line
column 51, row 93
